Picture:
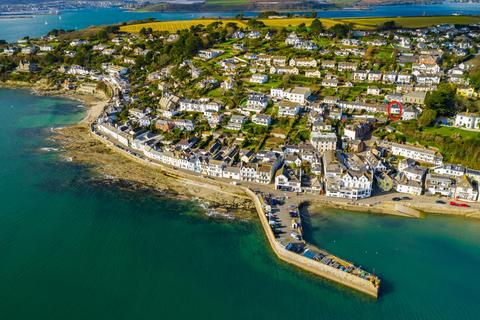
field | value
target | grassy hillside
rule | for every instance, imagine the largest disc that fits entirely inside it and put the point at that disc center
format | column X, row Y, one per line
column 413, row 22
column 238, row 5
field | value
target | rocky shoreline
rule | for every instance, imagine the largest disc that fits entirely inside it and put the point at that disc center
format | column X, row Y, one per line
column 103, row 162
column 108, row 167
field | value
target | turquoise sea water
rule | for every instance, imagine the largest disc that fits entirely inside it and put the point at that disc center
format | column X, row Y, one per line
column 74, row 249
column 14, row 29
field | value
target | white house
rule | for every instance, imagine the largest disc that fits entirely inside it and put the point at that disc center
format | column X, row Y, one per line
column 360, row 75
column 450, row 170
column 262, row 119
column 409, row 113
column 259, row 78
column 298, row 94
column 467, row 120
column 419, row 154
column 404, row 78
column 236, row 122
column 323, row 141
column 409, row 186
column 440, row 185
column 284, row 70
column 288, row 108
column 390, row 77
column 115, row 133
column 374, row 76
column 426, row 68
column 350, row 185
column 256, row 102
column 209, row 54
column 313, row 73
column 347, row 66
column 288, row 180
column 466, row 189
column 303, row 63
column 373, row 91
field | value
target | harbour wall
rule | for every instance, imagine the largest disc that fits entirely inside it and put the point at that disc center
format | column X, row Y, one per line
column 307, row 264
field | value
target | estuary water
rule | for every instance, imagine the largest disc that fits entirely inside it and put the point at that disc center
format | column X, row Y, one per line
column 14, row 29
column 74, row 249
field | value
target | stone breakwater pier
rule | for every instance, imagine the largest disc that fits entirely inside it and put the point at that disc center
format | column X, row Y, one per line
column 282, row 226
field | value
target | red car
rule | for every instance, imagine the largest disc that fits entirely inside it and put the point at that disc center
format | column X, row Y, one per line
column 463, row 205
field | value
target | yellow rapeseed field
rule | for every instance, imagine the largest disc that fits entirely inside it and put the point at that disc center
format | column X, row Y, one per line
column 174, row 26
column 293, row 22
column 358, row 23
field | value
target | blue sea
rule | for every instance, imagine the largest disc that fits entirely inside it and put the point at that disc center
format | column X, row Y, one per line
column 14, row 29
column 73, row 247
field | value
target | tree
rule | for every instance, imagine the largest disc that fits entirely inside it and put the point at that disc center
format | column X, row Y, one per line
column 180, row 73
column 102, row 35
column 214, row 25
column 316, row 26
column 427, row 118
column 442, row 100
column 388, row 25
column 475, row 78
column 253, row 23
column 369, row 53
column 301, row 28
column 266, row 14
column 231, row 27
column 341, row 30
column 286, row 80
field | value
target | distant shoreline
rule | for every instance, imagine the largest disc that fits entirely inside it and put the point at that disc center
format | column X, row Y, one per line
column 278, row 7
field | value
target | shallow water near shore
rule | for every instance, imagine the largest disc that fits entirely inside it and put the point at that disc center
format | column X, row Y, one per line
column 73, row 249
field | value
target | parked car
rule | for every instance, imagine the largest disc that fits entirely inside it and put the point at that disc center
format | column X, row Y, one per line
column 293, row 214
column 296, row 236
column 456, row 204
column 440, row 202
column 396, row 199
column 406, row 198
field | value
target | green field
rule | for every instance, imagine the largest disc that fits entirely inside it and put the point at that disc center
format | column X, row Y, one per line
column 373, row 23
column 413, row 22
column 452, row 132
column 225, row 2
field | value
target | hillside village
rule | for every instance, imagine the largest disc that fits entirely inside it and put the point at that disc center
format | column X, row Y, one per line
column 302, row 110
